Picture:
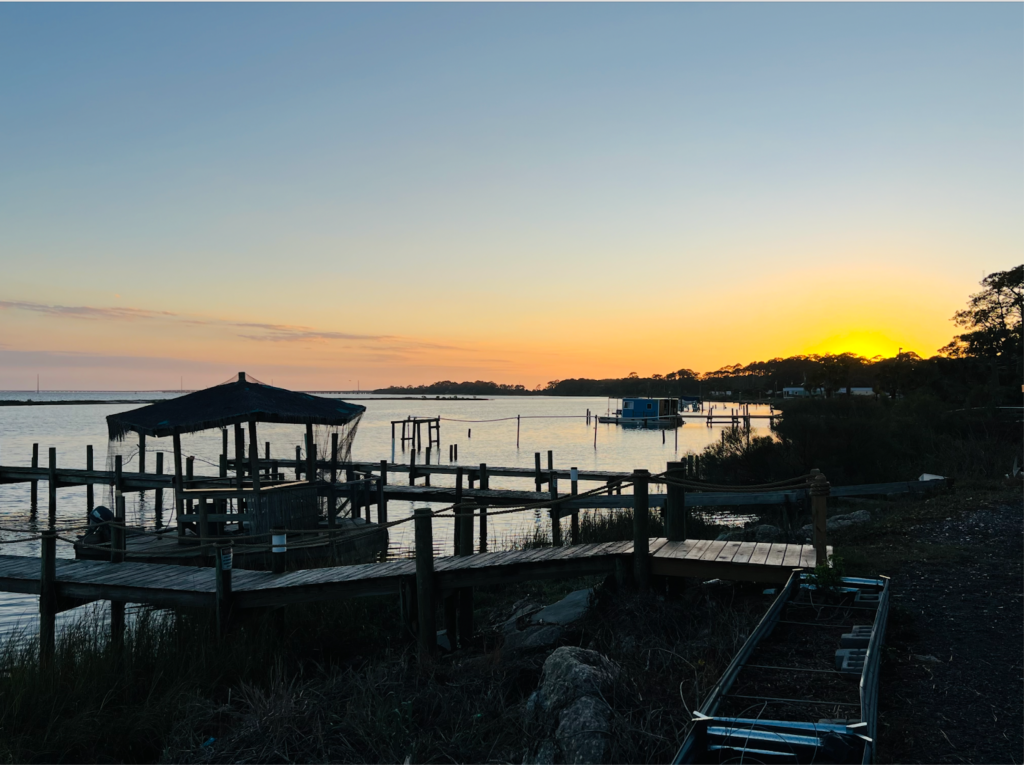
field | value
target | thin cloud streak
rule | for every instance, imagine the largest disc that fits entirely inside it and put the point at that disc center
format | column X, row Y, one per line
column 276, row 333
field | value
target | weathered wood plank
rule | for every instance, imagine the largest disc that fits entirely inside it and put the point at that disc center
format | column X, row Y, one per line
column 677, row 549
column 807, row 556
column 711, row 553
column 759, row 557
column 695, row 552
column 792, row 556
column 728, row 552
column 746, row 549
column 776, row 555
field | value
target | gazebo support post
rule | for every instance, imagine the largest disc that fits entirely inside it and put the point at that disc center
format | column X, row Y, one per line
column 310, row 458
column 179, row 485
column 254, row 459
column 240, row 464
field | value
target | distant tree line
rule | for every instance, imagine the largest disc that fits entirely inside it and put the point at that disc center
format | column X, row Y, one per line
column 449, row 388
column 983, row 365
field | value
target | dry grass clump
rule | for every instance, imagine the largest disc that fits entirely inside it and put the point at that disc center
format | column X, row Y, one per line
column 672, row 651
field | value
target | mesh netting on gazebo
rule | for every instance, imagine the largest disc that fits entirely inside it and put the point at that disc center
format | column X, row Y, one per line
column 202, row 423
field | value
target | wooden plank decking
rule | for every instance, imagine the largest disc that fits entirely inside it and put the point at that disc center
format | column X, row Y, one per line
column 171, row 585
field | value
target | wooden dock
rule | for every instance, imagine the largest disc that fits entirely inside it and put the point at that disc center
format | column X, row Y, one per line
column 172, row 586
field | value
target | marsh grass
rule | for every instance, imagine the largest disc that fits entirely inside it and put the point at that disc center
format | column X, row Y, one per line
column 95, row 703
column 597, row 526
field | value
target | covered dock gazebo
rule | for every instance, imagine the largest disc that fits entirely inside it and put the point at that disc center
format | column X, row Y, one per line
column 241, row 403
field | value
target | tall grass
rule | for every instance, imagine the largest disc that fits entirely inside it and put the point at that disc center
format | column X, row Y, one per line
column 597, row 526
column 95, row 703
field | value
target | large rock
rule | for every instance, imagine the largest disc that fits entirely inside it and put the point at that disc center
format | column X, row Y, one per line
column 566, row 611
column 570, row 698
column 584, row 730
column 766, row 532
column 531, row 639
column 839, row 522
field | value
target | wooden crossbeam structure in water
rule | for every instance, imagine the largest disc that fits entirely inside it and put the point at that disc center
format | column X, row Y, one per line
column 67, row 477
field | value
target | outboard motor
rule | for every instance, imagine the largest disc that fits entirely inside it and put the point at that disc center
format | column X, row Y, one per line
column 99, row 529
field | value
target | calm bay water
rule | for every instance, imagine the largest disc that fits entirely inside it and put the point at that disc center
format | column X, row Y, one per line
column 548, row 423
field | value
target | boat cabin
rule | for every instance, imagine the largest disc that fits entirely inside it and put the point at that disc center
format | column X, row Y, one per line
column 649, row 408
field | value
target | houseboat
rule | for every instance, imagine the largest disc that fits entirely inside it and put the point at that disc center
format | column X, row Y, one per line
column 646, row 413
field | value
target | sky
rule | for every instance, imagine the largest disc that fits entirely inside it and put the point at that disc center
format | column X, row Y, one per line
column 338, row 195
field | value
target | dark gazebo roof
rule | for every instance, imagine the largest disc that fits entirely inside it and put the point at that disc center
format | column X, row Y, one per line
column 238, row 401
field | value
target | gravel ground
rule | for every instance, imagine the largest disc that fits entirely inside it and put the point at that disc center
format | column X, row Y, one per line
column 952, row 683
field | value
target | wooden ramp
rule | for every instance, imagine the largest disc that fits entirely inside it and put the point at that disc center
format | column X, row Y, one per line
column 749, row 561
column 171, row 586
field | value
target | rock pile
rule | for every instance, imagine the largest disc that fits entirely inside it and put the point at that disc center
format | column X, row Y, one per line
column 568, row 711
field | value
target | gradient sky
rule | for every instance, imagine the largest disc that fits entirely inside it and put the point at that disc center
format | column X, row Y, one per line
column 392, row 194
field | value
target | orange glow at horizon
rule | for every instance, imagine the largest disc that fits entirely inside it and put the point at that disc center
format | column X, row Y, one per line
column 125, row 347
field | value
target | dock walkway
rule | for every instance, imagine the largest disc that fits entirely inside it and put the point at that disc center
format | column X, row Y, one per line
column 170, row 586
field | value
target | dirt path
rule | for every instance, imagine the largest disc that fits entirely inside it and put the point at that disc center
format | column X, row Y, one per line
column 952, row 682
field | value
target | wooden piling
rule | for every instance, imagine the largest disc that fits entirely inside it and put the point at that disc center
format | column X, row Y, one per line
column 117, row 531
column 485, row 484
column 555, row 510
column 254, row 466
column 517, row 431
column 34, row 485
column 142, row 452
column 641, row 536
column 425, row 605
column 819, row 491
column 221, row 505
column 675, row 511
column 465, row 531
column 310, row 454
column 190, row 465
column 179, row 500
column 382, row 502
column 223, row 560
column 117, row 549
column 457, row 535
column 48, row 596
column 536, row 469
column 465, row 594
column 51, row 486
column 89, row 495
column 240, row 454
column 204, row 523
column 298, row 463
column 412, row 467
column 407, row 603
column 332, row 501
column 574, row 528
column 158, row 495
column 278, row 550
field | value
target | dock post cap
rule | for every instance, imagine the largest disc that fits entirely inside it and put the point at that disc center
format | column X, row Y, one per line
column 819, row 485
column 241, row 377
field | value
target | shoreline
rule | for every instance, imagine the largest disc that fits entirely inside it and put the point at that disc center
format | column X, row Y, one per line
column 72, row 402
